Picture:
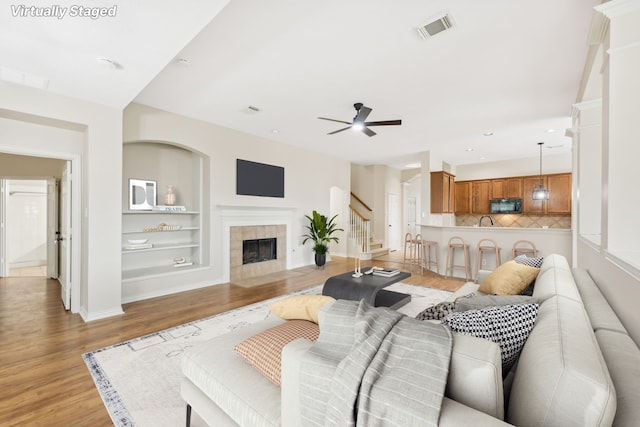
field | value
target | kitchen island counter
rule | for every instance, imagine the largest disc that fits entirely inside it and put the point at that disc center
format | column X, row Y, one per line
column 547, row 241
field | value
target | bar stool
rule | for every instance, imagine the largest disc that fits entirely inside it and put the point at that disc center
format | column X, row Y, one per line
column 487, row 245
column 409, row 243
column 427, row 261
column 524, row 247
column 457, row 243
column 416, row 258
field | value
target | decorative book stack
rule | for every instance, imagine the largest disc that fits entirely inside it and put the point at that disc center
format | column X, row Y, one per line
column 164, row 208
column 385, row 272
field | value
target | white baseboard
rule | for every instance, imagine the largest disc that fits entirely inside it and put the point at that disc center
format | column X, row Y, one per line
column 89, row 317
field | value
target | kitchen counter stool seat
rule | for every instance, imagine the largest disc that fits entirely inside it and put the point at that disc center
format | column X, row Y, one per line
column 454, row 244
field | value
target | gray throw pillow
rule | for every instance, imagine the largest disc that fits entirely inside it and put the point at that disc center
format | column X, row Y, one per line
column 508, row 326
column 476, row 303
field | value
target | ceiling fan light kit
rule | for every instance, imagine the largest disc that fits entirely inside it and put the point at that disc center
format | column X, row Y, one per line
column 359, row 124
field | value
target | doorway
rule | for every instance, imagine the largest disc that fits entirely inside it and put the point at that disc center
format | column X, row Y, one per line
column 25, row 227
column 33, row 242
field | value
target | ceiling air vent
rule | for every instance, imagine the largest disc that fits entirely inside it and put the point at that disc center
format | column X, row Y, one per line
column 435, row 27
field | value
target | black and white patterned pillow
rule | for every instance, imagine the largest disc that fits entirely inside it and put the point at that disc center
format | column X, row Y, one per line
column 508, row 326
column 437, row 312
column 531, row 262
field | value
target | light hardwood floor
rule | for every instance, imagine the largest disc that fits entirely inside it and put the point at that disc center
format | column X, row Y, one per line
column 43, row 379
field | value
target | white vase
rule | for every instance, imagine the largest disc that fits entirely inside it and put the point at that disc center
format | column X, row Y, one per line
column 170, row 197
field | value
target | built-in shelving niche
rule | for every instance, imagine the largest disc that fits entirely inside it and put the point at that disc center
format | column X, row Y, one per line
column 174, row 235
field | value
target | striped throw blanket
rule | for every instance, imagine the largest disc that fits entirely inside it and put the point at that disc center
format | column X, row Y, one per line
column 374, row 367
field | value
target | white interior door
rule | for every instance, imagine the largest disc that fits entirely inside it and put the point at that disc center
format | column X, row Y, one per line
column 4, row 270
column 411, row 215
column 52, row 228
column 393, row 216
column 64, row 237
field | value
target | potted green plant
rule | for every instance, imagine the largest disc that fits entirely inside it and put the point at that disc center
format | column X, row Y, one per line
column 320, row 232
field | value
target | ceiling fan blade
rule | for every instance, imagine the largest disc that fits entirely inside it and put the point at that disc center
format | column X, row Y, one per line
column 384, row 123
column 339, row 130
column 368, row 131
column 334, row 120
column 362, row 115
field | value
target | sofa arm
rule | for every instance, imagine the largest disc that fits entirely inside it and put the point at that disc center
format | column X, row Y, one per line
column 475, row 375
column 290, row 381
column 454, row 414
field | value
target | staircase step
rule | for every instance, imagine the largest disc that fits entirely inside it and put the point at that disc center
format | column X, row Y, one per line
column 379, row 252
column 376, row 244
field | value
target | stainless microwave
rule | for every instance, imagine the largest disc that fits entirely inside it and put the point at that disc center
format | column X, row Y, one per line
column 506, row 206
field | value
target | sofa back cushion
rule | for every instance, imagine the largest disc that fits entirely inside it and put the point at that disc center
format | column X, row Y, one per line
column 555, row 278
column 600, row 312
column 561, row 378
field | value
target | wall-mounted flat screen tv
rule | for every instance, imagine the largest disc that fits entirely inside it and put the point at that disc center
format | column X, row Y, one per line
column 259, row 179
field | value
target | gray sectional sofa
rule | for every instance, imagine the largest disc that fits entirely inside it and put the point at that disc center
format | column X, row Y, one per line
column 578, row 368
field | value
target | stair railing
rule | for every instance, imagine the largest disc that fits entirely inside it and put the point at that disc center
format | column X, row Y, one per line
column 359, row 230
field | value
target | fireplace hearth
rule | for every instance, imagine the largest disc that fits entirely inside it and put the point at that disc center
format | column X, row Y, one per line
column 259, row 250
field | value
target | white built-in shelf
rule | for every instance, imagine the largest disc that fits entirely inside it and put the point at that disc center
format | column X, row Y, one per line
column 161, row 247
column 160, row 213
column 160, row 231
column 150, row 272
column 184, row 169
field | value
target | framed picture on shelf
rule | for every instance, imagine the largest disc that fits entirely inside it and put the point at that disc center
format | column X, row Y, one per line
column 142, row 194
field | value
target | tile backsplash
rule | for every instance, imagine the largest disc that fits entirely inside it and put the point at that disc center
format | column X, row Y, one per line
column 513, row 220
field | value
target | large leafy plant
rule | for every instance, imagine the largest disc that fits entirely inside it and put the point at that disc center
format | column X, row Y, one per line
column 320, row 231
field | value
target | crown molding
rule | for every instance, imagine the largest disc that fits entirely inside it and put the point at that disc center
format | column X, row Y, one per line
column 615, row 8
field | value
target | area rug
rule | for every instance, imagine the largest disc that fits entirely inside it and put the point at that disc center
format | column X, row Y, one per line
column 139, row 380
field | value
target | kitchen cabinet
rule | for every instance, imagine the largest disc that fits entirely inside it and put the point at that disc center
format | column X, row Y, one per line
column 442, row 192
column 530, row 206
column 559, row 186
column 463, row 198
column 474, row 197
column 506, row 188
column 480, row 201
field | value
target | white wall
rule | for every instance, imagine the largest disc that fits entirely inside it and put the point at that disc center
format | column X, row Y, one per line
column 37, row 122
column 309, row 177
column 613, row 258
column 551, row 163
column 12, row 165
column 372, row 184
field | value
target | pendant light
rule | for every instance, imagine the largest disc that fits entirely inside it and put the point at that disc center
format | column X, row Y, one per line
column 540, row 193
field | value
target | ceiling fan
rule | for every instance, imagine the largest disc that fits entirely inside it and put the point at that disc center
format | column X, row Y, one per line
column 359, row 123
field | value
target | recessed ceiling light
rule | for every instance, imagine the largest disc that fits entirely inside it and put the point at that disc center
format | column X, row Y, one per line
column 468, row 149
column 488, row 134
column 551, row 130
column 412, row 165
column 483, row 158
column 275, row 131
column 108, row 63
